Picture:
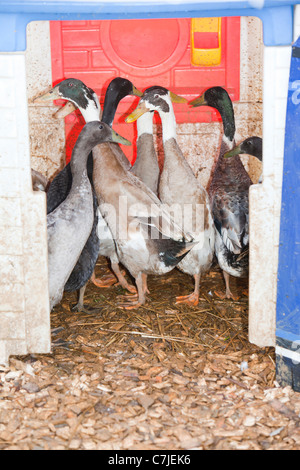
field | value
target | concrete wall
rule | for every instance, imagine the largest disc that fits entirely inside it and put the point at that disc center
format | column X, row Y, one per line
column 47, row 138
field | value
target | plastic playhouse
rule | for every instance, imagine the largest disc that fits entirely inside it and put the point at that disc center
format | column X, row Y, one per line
column 203, row 37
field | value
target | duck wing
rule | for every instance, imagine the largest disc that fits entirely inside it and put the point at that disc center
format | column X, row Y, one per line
column 230, row 213
column 147, row 210
column 60, row 186
column 85, row 265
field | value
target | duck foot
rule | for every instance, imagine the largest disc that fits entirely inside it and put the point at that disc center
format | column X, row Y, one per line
column 130, row 306
column 191, row 299
column 131, row 289
column 129, row 302
column 226, row 295
column 127, row 286
column 84, row 309
column 106, row 281
column 245, row 292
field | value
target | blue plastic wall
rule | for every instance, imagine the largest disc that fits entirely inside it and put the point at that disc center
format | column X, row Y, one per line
column 288, row 295
column 277, row 15
column 288, row 285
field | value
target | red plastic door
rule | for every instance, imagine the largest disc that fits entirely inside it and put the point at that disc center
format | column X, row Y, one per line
column 147, row 52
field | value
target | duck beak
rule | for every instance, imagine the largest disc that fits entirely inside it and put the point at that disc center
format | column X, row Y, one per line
column 231, row 153
column 119, row 139
column 176, row 98
column 49, row 96
column 139, row 111
column 200, row 101
column 136, row 92
column 65, row 111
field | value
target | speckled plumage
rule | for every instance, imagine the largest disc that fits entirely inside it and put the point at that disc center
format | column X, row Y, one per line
column 229, row 194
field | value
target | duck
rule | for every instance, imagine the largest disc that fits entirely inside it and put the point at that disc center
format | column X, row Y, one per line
column 250, row 146
column 70, row 224
column 147, row 238
column 39, row 181
column 180, row 190
column 229, row 195
column 59, row 189
column 100, row 241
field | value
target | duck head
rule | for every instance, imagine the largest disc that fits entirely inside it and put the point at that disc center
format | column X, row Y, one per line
column 250, row 146
column 78, row 94
column 218, row 98
column 98, row 131
column 155, row 98
column 117, row 90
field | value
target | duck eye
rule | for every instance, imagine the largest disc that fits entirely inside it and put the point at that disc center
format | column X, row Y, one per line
column 101, row 126
column 70, row 84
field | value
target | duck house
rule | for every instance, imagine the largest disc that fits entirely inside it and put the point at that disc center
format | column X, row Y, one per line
column 186, row 47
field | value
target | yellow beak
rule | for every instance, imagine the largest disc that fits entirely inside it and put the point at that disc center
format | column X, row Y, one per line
column 139, row 111
column 136, row 92
column 200, row 101
column 176, row 98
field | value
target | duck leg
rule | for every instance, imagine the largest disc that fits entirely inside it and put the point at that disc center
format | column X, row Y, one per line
column 193, row 298
column 145, row 287
column 228, row 294
column 135, row 300
column 79, row 307
column 121, row 278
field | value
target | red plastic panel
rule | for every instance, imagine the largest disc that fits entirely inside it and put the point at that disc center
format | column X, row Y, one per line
column 147, row 52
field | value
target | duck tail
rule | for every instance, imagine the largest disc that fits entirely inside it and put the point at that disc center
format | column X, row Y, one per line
column 174, row 251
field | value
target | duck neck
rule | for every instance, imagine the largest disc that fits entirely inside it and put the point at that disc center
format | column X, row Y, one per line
column 112, row 99
column 225, row 109
column 92, row 112
column 168, row 122
column 78, row 163
column 172, row 152
column 145, row 124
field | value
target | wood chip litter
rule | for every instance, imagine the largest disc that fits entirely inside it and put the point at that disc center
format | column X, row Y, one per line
column 161, row 377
